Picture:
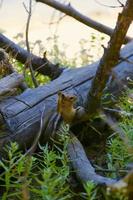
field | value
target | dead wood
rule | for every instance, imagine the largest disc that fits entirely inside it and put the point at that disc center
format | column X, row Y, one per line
column 82, row 166
column 41, row 65
column 10, row 82
column 85, row 171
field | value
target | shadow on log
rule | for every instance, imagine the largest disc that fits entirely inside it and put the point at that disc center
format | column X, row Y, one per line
column 21, row 115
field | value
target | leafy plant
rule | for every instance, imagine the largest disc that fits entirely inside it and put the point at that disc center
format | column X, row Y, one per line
column 44, row 176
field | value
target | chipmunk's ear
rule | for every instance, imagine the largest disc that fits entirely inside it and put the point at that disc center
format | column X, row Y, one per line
column 60, row 94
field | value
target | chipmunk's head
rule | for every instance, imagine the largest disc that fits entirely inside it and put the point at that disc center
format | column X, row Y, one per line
column 65, row 102
column 66, row 99
column 65, row 106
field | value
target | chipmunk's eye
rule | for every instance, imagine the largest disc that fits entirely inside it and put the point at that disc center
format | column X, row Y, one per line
column 71, row 98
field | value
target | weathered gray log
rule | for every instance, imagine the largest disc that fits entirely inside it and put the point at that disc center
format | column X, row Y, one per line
column 85, row 171
column 8, row 83
column 22, row 114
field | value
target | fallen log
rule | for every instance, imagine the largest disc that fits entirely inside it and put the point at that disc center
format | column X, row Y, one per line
column 21, row 115
column 10, row 82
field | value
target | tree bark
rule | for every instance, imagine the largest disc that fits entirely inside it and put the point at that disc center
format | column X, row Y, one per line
column 109, row 59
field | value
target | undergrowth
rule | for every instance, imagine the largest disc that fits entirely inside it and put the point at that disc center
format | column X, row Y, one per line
column 42, row 176
column 120, row 149
column 120, row 144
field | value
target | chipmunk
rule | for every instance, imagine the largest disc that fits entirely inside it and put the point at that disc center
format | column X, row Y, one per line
column 65, row 106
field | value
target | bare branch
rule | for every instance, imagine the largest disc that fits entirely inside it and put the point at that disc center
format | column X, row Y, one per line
column 25, row 8
column 27, row 42
column 33, row 147
column 122, row 5
column 28, row 24
column 69, row 10
column 48, row 68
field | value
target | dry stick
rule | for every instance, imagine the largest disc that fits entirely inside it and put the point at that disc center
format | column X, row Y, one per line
column 109, row 59
column 69, row 10
column 32, row 149
column 28, row 155
column 122, row 5
column 27, row 42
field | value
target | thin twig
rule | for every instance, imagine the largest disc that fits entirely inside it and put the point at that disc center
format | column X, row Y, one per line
column 122, row 112
column 27, row 42
column 32, row 149
column 100, row 169
column 41, row 66
column 101, row 4
column 56, row 22
column 122, row 5
column 125, row 59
